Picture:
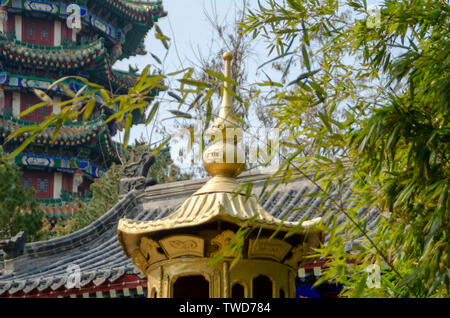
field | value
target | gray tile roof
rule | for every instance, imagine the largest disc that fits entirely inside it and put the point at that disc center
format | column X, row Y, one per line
column 96, row 249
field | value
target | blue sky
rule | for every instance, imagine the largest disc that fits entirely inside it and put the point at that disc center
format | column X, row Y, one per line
column 188, row 27
column 189, row 30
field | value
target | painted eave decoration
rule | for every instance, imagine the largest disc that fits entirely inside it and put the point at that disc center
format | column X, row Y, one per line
column 68, row 57
column 75, row 134
column 141, row 18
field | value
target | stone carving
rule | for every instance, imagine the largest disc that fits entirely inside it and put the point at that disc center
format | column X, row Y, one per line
column 14, row 246
column 222, row 241
column 181, row 245
column 149, row 249
column 268, row 248
column 134, row 175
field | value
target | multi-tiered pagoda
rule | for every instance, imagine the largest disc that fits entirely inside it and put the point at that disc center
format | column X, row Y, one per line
column 38, row 46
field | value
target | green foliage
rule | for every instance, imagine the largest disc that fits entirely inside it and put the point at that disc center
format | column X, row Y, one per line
column 18, row 209
column 105, row 194
column 164, row 170
column 81, row 104
column 373, row 116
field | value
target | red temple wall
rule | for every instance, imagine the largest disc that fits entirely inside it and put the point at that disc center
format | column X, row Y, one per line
column 41, row 181
column 38, row 115
column 82, row 188
column 8, row 100
column 10, row 23
column 67, row 182
column 66, row 33
column 40, row 32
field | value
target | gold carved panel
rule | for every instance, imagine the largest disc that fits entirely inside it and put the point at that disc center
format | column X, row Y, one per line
column 139, row 261
column 264, row 248
column 222, row 241
column 149, row 249
column 182, row 245
column 298, row 253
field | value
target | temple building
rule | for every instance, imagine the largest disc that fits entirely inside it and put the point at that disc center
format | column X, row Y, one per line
column 38, row 45
column 43, row 269
column 179, row 239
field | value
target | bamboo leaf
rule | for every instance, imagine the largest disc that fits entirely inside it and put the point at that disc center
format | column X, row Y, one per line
column 156, row 58
column 221, row 77
column 232, row 93
column 267, row 83
column 128, row 122
column 208, row 114
column 89, row 108
column 409, row 278
column 274, row 59
column 178, row 113
column 32, row 108
column 199, row 84
column 189, row 69
column 23, row 145
column 42, row 96
column 306, row 57
column 23, row 130
column 325, row 121
column 361, row 286
column 161, row 146
column 175, row 96
column 152, row 113
column 56, row 131
column 303, row 76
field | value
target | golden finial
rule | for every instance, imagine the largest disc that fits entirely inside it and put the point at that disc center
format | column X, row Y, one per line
column 225, row 119
column 215, row 157
column 227, row 57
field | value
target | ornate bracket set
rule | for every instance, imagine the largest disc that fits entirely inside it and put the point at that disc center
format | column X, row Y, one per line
column 151, row 251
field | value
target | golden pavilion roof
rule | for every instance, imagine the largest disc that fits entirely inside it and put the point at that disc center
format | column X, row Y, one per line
column 207, row 205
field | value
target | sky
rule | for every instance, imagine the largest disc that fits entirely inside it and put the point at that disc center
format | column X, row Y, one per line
column 190, row 31
column 188, row 27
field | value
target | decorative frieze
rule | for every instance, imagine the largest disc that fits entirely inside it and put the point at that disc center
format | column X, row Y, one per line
column 139, row 261
column 41, row 6
column 297, row 254
column 69, row 164
column 151, row 250
column 183, row 245
column 222, row 242
column 60, row 9
column 268, row 248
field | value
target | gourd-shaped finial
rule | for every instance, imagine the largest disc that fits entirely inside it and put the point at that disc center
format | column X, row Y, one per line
column 215, row 159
